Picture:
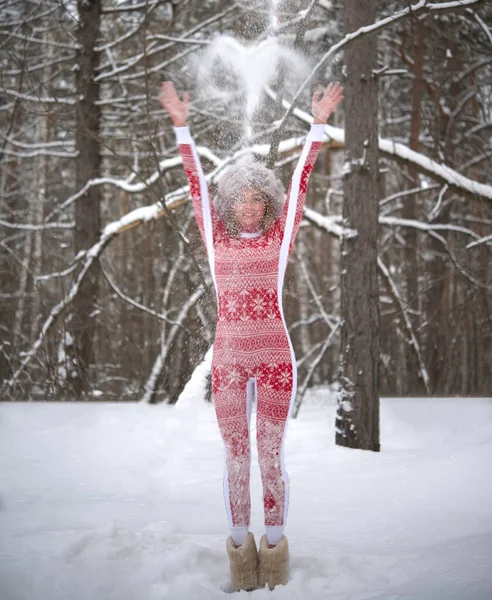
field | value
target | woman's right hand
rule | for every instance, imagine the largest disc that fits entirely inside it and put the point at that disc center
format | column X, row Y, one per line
column 177, row 109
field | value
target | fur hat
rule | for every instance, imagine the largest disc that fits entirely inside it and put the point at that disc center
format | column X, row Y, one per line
column 248, row 173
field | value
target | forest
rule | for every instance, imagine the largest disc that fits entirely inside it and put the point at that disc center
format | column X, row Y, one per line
column 106, row 292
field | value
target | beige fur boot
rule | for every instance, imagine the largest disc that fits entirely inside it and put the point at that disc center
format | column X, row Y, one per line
column 243, row 563
column 273, row 563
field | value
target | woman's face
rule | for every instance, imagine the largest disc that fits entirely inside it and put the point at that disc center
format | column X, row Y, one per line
column 249, row 210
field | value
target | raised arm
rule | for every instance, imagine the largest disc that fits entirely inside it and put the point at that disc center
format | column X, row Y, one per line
column 296, row 196
column 203, row 208
column 294, row 204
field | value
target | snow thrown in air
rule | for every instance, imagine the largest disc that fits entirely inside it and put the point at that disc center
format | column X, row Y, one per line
column 232, row 74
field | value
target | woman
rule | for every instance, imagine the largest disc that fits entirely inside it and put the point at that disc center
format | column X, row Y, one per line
column 248, row 233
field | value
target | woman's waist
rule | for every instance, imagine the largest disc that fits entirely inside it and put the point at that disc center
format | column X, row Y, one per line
column 240, row 299
column 250, row 339
column 244, row 313
column 243, row 278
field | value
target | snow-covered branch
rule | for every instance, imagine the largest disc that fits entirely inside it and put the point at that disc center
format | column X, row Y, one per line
column 42, row 99
column 316, row 297
column 147, row 5
column 482, row 24
column 140, row 306
column 87, row 258
column 59, row 274
column 152, row 382
column 405, row 193
column 38, row 153
column 30, row 227
column 68, row 144
column 422, row 6
column 404, row 154
column 42, row 41
column 484, row 240
column 429, row 227
column 312, row 367
column 180, row 40
column 329, row 223
column 128, row 35
column 412, row 338
column 64, row 58
column 90, row 256
column 122, row 184
column 286, row 146
column 152, row 49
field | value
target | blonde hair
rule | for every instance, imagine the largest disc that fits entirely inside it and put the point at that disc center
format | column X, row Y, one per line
column 248, row 173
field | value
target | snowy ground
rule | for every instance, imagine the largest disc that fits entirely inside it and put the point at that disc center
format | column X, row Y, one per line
column 124, row 502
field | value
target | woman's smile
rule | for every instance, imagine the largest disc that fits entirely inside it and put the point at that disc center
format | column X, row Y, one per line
column 249, row 210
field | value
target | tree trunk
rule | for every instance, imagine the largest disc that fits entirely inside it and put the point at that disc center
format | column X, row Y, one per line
column 414, row 384
column 357, row 422
column 38, row 207
column 87, row 207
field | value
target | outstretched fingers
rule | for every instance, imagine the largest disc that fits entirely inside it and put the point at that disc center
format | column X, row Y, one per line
column 168, row 93
column 324, row 106
column 334, row 91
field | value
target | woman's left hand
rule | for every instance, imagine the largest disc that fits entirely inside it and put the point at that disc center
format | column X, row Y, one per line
column 331, row 98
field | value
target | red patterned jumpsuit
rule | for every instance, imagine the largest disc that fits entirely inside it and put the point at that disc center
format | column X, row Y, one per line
column 252, row 347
